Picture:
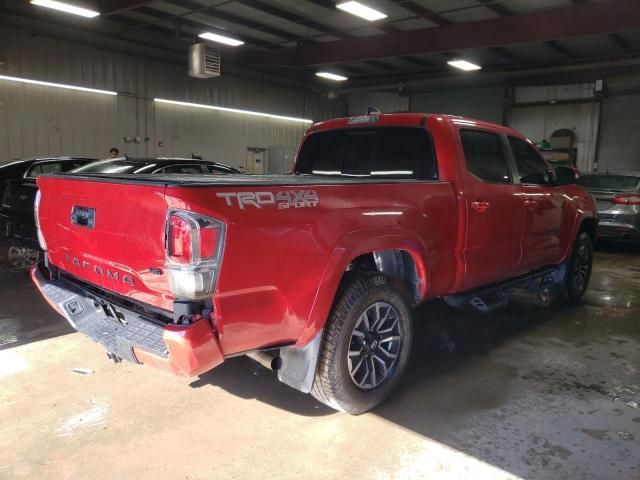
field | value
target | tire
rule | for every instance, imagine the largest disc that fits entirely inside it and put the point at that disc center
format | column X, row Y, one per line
column 22, row 258
column 371, row 316
column 579, row 267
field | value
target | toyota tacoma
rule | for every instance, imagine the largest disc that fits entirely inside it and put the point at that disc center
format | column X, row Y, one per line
column 314, row 274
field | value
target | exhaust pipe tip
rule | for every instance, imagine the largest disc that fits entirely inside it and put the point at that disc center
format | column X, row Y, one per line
column 272, row 362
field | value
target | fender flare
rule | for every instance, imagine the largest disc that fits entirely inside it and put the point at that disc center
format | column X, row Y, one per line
column 300, row 360
column 348, row 248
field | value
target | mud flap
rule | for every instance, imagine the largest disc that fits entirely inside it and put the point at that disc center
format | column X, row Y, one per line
column 299, row 364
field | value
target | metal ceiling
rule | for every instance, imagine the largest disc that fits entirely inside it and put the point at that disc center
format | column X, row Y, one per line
column 296, row 37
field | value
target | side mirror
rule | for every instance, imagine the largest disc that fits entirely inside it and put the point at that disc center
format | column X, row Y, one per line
column 565, row 176
column 536, row 178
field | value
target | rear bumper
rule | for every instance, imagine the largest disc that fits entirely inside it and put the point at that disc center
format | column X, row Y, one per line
column 187, row 350
column 619, row 232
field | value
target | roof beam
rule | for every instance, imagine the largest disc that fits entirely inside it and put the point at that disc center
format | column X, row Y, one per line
column 496, row 8
column 621, row 42
column 422, row 12
column 565, row 22
column 177, row 21
column 276, row 11
column 556, row 47
column 232, row 18
column 111, row 7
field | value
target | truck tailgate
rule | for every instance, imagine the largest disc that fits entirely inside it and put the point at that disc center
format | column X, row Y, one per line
column 108, row 234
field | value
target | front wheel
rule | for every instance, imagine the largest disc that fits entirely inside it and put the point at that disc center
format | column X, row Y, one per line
column 579, row 268
column 366, row 345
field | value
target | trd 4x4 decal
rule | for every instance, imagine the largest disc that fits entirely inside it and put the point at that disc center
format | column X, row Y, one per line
column 283, row 200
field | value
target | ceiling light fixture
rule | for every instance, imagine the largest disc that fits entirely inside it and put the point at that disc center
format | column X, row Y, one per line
column 57, row 85
column 464, row 65
column 331, row 76
column 362, row 11
column 233, row 110
column 65, row 7
column 214, row 37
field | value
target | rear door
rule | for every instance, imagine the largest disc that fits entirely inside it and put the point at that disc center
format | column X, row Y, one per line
column 543, row 206
column 494, row 210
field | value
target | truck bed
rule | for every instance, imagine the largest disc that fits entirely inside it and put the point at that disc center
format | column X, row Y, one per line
column 277, row 253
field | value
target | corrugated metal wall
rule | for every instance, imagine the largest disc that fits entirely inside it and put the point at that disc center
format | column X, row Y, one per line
column 484, row 103
column 36, row 120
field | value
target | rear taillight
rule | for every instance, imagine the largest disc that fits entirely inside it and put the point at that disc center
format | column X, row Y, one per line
column 36, row 209
column 627, row 199
column 194, row 245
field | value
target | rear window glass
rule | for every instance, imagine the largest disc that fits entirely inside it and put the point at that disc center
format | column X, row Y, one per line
column 394, row 152
column 53, row 167
column 184, row 169
column 609, row 182
column 108, row 166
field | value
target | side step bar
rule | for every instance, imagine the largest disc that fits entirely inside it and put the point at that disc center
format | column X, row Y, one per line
column 488, row 299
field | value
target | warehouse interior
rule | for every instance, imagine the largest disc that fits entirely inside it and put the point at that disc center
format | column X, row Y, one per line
column 535, row 390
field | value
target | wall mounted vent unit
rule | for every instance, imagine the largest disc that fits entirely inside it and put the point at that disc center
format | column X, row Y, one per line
column 204, row 61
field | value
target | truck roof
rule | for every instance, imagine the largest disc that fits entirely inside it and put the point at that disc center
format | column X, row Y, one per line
column 407, row 119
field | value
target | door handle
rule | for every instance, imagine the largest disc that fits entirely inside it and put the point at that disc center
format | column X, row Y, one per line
column 480, row 207
column 530, row 204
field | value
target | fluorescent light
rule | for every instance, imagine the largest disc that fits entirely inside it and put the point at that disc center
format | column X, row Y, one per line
column 65, row 7
column 464, row 65
column 57, row 85
column 326, row 172
column 331, row 76
column 214, row 37
column 362, row 11
column 233, row 110
column 392, row 172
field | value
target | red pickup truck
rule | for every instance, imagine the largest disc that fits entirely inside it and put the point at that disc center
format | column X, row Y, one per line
column 314, row 274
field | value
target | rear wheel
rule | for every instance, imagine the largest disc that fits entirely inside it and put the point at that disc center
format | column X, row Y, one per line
column 22, row 257
column 366, row 345
column 579, row 268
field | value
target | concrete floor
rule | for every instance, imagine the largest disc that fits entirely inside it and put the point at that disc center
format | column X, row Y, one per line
column 533, row 391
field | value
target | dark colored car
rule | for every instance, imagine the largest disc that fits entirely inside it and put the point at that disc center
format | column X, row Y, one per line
column 157, row 166
column 16, row 211
column 618, row 201
column 18, row 189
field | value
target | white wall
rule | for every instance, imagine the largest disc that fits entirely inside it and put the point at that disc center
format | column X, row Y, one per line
column 540, row 122
column 36, row 120
column 386, row 102
column 619, row 138
column 483, row 103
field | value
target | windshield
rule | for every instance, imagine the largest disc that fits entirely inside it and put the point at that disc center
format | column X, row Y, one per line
column 392, row 152
column 109, row 166
column 609, row 182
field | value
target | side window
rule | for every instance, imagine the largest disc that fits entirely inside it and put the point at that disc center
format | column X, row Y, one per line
column 183, row 169
column 216, row 170
column 531, row 167
column 485, row 156
column 40, row 168
column 68, row 166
